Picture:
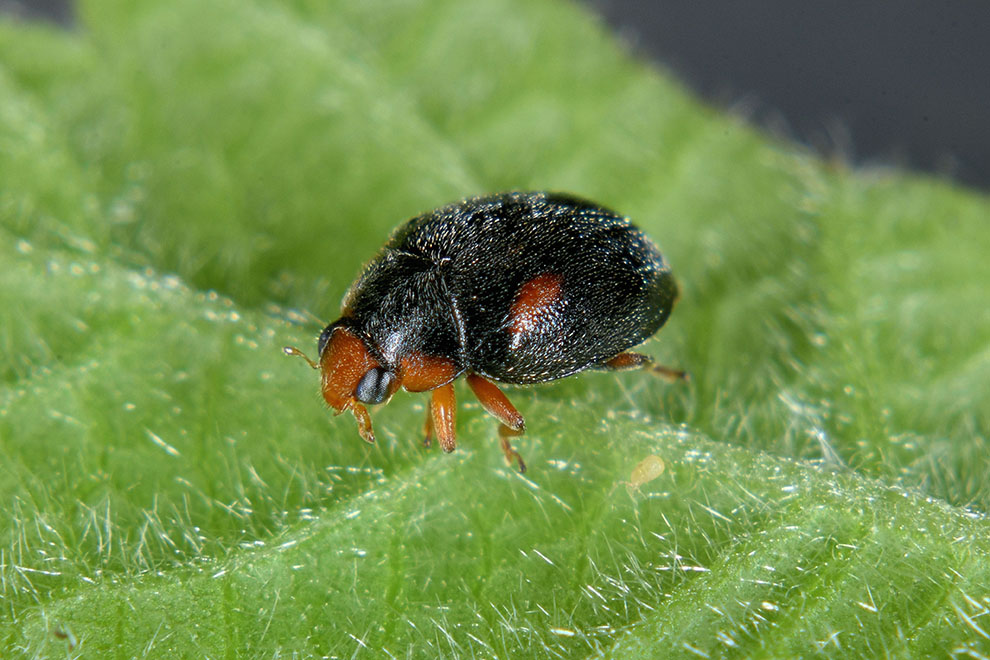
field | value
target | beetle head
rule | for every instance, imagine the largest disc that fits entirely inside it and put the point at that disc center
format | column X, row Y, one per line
column 350, row 373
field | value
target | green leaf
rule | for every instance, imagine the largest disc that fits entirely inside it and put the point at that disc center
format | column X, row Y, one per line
column 186, row 187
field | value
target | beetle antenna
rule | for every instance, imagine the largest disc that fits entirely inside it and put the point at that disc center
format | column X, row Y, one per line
column 292, row 350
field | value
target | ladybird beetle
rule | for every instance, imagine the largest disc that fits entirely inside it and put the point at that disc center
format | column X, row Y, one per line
column 517, row 288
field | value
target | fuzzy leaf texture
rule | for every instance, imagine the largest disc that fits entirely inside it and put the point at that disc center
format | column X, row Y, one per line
column 186, row 187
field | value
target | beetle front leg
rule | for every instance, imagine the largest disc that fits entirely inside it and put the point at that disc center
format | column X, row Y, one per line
column 363, row 422
column 443, row 406
column 626, row 361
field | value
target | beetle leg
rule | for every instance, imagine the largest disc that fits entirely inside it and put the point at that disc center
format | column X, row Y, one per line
column 443, row 406
column 428, row 428
column 495, row 402
column 363, row 422
column 626, row 361
column 504, row 433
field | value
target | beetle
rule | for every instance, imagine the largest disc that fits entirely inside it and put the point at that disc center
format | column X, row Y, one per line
column 517, row 288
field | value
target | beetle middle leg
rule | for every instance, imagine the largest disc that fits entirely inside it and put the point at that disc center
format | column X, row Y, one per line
column 627, row 361
column 498, row 406
column 428, row 428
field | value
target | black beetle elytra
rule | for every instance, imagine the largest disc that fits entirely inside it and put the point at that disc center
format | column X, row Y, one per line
column 518, row 288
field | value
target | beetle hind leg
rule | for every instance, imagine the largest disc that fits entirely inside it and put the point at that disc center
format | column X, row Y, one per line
column 627, row 361
column 511, row 455
column 498, row 406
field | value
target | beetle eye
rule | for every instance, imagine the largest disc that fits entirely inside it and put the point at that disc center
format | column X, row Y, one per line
column 374, row 386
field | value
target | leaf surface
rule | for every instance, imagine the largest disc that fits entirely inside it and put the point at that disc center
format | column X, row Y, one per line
column 185, row 188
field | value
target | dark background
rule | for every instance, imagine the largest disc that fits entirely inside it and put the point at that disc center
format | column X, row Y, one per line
column 903, row 83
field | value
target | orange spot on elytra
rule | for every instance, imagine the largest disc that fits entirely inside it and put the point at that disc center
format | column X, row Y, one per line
column 534, row 305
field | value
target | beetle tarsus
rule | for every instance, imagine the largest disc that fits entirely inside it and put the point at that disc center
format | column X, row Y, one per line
column 669, row 374
column 511, row 455
column 363, row 422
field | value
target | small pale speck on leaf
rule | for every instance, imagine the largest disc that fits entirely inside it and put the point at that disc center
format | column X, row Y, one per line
column 645, row 471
